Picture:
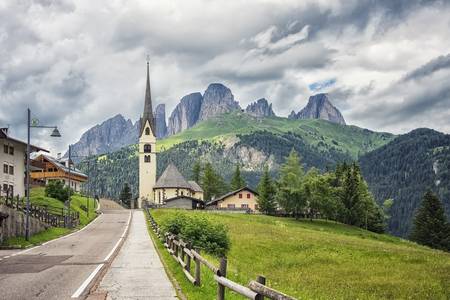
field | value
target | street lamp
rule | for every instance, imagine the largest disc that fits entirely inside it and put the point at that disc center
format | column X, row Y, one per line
column 55, row 133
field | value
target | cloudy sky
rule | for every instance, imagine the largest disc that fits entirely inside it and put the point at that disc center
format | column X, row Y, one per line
column 386, row 64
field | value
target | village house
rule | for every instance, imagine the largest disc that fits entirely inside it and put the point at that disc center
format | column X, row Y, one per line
column 58, row 169
column 173, row 190
column 241, row 199
column 13, row 160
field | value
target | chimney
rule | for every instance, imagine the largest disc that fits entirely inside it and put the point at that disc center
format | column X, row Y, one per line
column 4, row 130
column 58, row 156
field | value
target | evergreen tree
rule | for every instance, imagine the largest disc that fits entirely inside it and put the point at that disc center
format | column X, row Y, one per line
column 237, row 181
column 430, row 225
column 290, row 195
column 266, row 191
column 125, row 195
column 212, row 183
column 196, row 170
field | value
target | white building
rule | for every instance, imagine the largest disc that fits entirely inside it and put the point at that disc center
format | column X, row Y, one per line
column 13, row 164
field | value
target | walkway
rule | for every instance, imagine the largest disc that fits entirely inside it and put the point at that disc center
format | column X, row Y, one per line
column 137, row 272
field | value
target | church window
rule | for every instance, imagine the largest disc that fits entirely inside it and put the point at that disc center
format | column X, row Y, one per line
column 147, row 148
column 147, row 158
column 147, row 131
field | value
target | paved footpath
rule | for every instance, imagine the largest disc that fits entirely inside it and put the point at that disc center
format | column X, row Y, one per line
column 137, row 272
column 61, row 269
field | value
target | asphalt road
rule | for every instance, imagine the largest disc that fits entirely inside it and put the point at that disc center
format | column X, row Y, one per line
column 58, row 270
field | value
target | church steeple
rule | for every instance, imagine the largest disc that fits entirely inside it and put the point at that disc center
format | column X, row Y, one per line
column 148, row 109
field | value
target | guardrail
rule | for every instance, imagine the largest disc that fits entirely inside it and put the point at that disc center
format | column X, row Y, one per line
column 51, row 215
column 191, row 261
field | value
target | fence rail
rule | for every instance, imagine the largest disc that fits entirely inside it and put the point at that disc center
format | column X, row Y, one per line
column 191, row 261
column 51, row 215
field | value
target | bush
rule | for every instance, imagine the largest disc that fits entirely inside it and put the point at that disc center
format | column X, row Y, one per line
column 56, row 189
column 201, row 232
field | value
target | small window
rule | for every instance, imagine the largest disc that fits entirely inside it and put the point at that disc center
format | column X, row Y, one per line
column 5, row 168
column 240, row 196
column 5, row 149
column 147, row 148
column 248, row 196
column 182, row 193
column 5, row 188
column 147, row 158
column 231, row 206
column 147, row 131
column 11, row 150
column 11, row 170
column 244, row 205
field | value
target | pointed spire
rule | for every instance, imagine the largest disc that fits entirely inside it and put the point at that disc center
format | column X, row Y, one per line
column 148, row 110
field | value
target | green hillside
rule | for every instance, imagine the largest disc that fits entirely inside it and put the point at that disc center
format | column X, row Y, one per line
column 317, row 133
column 321, row 260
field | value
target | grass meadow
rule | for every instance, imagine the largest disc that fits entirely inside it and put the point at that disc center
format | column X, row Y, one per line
column 320, row 260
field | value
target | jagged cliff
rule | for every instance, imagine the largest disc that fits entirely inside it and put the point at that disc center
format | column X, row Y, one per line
column 260, row 108
column 319, row 107
column 217, row 100
column 160, row 118
column 185, row 114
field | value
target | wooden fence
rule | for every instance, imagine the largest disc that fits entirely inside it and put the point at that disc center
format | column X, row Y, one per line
column 191, row 261
column 53, row 216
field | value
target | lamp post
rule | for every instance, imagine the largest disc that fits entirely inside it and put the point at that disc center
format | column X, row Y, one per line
column 55, row 133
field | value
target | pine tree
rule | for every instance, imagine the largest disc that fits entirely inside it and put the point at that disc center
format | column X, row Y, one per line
column 196, row 170
column 430, row 225
column 290, row 194
column 125, row 195
column 237, row 181
column 266, row 191
column 212, row 183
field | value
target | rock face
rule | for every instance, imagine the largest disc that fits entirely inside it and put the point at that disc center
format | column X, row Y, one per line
column 217, row 100
column 260, row 108
column 186, row 113
column 110, row 135
column 160, row 117
column 319, row 107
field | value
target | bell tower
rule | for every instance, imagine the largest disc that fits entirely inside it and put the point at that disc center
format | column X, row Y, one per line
column 147, row 148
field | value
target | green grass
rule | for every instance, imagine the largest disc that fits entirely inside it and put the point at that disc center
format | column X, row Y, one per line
column 37, row 197
column 322, row 260
column 348, row 139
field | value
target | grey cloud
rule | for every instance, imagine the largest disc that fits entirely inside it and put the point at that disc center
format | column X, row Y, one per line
column 439, row 63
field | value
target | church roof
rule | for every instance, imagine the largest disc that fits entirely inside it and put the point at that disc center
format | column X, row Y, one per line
column 172, row 178
column 194, row 186
column 148, row 110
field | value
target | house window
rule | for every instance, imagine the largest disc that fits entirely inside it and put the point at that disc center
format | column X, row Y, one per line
column 244, row 205
column 182, row 193
column 147, row 158
column 5, row 149
column 248, row 196
column 147, row 131
column 231, row 206
column 5, row 168
column 11, row 170
column 240, row 196
column 147, row 148
column 5, row 188
column 11, row 150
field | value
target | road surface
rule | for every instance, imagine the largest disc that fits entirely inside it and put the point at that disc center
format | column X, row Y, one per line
column 61, row 268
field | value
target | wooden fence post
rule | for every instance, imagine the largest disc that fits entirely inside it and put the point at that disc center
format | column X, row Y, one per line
column 197, row 267
column 222, row 273
column 188, row 258
column 261, row 279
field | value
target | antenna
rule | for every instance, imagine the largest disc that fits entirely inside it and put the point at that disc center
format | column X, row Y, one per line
column 148, row 58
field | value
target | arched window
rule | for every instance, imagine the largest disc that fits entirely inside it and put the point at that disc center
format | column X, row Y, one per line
column 147, row 158
column 147, row 148
column 147, row 131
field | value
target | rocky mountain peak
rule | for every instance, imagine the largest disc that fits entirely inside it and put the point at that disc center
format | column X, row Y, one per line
column 260, row 108
column 217, row 100
column 186, row 113
column 160, row 118
column 319, row 107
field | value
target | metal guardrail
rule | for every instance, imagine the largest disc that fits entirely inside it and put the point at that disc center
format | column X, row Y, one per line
column 186, row 256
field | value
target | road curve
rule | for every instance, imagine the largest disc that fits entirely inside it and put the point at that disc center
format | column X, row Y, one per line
column 58, row 269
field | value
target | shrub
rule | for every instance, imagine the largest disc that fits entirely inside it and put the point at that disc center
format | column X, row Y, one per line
column 56, row 189
column 200, row 231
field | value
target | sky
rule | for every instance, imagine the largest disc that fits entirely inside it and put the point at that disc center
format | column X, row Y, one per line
column 385, row 64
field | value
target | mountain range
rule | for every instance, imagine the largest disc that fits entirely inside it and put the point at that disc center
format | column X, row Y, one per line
column 193, row 108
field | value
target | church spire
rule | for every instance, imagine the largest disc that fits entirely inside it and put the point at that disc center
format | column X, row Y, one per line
column 148, row 110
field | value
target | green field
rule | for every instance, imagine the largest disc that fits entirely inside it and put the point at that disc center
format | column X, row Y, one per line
column 348, row 139
column 321, row 260
column 37, row 197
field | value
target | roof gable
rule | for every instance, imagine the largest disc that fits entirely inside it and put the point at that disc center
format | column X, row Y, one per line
column 172, row 178
column 246, row 188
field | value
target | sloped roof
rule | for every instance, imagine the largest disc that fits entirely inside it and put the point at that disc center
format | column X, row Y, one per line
column 61, row 166
column 231, row 194
column 172, row 178
column 194, row 186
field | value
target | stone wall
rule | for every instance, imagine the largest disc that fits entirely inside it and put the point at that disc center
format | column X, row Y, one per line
column 14, row 225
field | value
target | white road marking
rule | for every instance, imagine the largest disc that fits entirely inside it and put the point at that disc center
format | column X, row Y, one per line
column 87, row 281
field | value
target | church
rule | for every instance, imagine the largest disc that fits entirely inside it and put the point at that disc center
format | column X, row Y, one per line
column 171, row 189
